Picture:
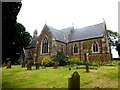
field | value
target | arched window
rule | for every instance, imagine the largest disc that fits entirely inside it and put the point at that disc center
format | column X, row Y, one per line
column 45, row 45
column 75, row 49
column 95, row 47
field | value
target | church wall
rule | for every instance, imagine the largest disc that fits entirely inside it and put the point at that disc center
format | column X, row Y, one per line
column 86, row 46
column 44, row 34
column 61, row 46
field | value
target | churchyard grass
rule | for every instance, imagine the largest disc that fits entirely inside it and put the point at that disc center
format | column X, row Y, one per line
column 17, row 77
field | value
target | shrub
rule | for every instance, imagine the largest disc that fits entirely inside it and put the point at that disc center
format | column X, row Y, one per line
column 61, row 58
column 82, row 62
column 47, row 61
column 74, row 60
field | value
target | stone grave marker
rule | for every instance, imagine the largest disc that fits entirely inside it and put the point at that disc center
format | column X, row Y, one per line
column 29, row 65
column 23, row 63
column 37, row 65
column 8, row 64
column 86, row 61
column 74, row 81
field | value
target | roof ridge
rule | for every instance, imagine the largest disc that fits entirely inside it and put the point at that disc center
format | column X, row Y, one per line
column 50, row 27
column 67, row 28
column 89, row 26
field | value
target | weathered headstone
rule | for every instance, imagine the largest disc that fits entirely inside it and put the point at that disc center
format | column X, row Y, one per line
column 86, row 61
column 23, row 63
column 74, row 81
column 8, row 64
column 55, row 65
column 29, row 65
column 37, row 65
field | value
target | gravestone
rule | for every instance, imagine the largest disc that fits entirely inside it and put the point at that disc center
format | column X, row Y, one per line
column 37, row 65
column 74, row 81
column 29, row 65
column 23, row 63
column 56, row 64
column 86, row 61
column 8, row 64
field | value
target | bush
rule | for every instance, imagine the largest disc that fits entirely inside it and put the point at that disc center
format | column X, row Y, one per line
column 74, row 60
column 47, row 61
column 61, row 58
column 94, row 63
column 82, row 62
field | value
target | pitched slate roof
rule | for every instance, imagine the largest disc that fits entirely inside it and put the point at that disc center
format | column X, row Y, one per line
column 67, row 32
column 89, row 32
column 28, row 54
column 70, row 34
column 57, row 34
column 60, row 35
column 33, row 43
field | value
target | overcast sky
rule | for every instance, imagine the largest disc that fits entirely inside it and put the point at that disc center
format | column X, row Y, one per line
column 65, row 13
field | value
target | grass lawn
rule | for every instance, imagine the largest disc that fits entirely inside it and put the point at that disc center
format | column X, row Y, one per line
column 17, row 77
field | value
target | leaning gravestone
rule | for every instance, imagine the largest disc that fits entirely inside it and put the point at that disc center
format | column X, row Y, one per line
column 29, row 65
column 74, row 81
column 8, row 64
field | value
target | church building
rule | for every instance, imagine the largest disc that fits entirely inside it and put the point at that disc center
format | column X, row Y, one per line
column 93, row 40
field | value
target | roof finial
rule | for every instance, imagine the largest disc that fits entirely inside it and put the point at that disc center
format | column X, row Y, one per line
column 104, row 20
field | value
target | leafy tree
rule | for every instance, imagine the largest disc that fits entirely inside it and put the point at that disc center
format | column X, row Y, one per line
column 113, row 42
column 22, row 39
column 14, row 35
column 113, row 36
column 35, row 33
column 10, row 11
column 61, row 58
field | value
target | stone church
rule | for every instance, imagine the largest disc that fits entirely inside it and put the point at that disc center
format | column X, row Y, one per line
column 93, row 40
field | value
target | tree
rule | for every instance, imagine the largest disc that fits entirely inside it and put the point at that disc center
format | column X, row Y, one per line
column 35, row 33
column 61, row 58
column 113, row 36
column 113, row 40
column 10, row 11
column 22, row 39
column 14, row 35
